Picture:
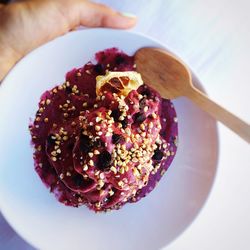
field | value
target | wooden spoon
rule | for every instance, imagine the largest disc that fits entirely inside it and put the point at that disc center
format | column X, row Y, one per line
column 171, row 78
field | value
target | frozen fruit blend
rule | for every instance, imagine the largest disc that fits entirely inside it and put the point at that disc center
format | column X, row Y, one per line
column 103, row 138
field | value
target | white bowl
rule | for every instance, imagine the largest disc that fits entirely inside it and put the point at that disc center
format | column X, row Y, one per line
column 38, row 217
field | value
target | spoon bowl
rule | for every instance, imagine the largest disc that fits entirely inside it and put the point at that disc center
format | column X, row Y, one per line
column 172, row 78
column 164, row 71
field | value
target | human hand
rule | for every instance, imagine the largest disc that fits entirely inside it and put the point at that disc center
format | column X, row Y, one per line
column 25, row 25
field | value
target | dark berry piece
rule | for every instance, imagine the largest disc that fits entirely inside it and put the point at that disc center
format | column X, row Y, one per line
column 163, row 133
column 85, row 143
column 124, row 122
column 68, row 90
column 78, row 180
column 116, row 138
column 98, row 68
column 70, row 146
column 139, row 117
column 104, row 160
column 158, row 154
column 146, row 92
column 50, row 140
column 172, row 138
column 119, row 59
column 116, row 114
column 99, row 143
column 38, row 113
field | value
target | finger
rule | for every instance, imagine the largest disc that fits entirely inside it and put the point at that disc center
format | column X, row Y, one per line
column 96, row 15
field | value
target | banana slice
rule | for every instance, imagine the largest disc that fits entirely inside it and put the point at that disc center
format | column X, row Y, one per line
column 120, row 83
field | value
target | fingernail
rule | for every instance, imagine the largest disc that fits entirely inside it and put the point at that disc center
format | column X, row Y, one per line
column 130, row 15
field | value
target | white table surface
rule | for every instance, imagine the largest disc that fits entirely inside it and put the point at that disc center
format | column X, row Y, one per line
column 213, row 37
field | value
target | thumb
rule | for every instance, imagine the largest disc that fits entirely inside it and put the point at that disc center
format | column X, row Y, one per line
column 96, row 15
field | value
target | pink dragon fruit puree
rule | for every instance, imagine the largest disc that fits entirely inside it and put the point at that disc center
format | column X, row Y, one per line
column 103, row 150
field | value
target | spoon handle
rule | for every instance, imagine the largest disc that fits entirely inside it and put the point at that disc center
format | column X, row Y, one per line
column 219, row 113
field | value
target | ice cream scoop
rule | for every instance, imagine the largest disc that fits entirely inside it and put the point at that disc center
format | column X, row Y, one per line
column 103, row 137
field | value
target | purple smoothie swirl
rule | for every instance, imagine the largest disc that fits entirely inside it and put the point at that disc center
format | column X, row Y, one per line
column 103, row 147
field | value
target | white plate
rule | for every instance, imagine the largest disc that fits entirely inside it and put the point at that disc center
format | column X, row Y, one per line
column 35, row 213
